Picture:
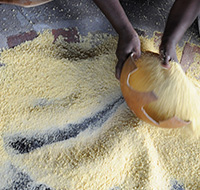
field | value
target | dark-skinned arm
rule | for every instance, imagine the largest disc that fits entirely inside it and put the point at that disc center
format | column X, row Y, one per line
column 128, row 38
column 181, row 16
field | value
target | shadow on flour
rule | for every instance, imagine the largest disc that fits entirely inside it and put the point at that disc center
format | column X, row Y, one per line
column 176, row 185
column 18, row 180
column 25, row 143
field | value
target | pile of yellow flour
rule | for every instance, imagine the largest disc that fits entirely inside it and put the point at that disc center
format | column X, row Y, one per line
column 47, row 86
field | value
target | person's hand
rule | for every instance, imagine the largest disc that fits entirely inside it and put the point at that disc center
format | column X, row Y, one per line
column 127, row 44
column 129, row 41
column 167, row 53
column 181, row 16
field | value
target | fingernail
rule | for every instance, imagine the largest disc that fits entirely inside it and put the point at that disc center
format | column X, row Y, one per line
column 117, row 75
column 165, row 66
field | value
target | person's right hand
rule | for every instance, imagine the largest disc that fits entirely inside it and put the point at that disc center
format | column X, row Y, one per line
column 181, row 16
column 167, row 53
column 128, row 43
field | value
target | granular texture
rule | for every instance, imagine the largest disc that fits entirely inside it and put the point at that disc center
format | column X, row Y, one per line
column 65, row 125
column 176, row 93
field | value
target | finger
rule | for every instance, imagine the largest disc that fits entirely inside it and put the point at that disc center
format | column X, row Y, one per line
column 165, row 62
column 175, row 59
column 121, row 62
column 137, row 54
column 166, row 66
column 118, row 69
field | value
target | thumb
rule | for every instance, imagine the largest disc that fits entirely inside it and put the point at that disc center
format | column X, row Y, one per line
column 118, row 69
column 165, row 61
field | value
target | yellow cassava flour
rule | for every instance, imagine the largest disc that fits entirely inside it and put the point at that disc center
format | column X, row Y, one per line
column 48, row 87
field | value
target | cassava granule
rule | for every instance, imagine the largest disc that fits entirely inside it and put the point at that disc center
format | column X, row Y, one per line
column 48, row 87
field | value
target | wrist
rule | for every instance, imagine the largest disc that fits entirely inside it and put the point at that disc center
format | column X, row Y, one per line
column 128, row 33
column 168, row 41
column 125, row 29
